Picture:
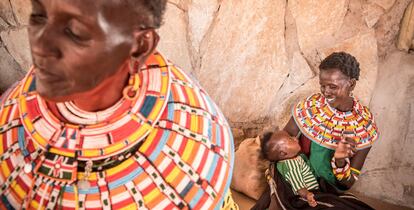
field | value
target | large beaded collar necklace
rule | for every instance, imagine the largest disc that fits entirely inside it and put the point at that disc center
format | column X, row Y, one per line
column 326, row 126
column 69, row 152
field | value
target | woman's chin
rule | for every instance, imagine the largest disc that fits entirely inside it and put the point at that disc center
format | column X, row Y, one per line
column 52, row 95
column 53, row 98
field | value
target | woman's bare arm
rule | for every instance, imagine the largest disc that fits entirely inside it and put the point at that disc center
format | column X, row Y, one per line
column 357, row 162
column 291, row 127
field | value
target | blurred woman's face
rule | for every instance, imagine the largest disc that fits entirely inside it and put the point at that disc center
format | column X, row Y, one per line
column 335, row 86
column 76, row 44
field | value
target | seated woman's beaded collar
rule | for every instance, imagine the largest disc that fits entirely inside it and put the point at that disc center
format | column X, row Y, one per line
column 326, row 126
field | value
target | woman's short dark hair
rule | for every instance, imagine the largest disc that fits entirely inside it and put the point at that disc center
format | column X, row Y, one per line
column 156, row 9
column 343, row 61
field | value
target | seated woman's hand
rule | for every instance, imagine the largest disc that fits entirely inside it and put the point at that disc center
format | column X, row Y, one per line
column 346, row 149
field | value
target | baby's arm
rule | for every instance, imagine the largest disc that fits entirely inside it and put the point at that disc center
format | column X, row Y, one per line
column 304, row 193
column 295, row 177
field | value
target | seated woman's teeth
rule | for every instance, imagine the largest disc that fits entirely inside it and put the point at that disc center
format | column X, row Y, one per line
column 330, row 100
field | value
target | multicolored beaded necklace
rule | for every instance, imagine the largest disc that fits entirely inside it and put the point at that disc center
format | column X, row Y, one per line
column 326, row 126
column 95, row 141
column 77, row 116
column 168, row 147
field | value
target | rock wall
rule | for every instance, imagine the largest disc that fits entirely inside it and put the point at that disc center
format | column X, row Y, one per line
column 14, row 47
column 257, row 58
column 389, row 168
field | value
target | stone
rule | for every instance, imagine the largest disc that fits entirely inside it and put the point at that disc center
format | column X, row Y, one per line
column 244, row 58
column 300, row 73
column 372, row 13
column 389, row 167
column 200, row 17
column 177, row 3
column 22, row 10
column 238, row 136
column 406, row 35
column 3, row 24
column 364, row 48
column 9, row 70
column 282, row 109
column 6, row 13
column 388, row 26
column 173, row 34
column 291, row 35
column 17, row 43
column 353, row 24
column 386, row 4
column 317, row 21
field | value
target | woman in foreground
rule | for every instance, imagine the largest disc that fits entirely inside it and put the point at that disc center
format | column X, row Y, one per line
column 104, row 121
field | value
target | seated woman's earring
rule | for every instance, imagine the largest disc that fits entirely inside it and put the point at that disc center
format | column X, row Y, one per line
column 130, row 92
column 351, row 94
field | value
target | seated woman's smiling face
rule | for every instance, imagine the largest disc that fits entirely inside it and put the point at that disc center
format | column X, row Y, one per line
column 336, row 87
column 77, row 44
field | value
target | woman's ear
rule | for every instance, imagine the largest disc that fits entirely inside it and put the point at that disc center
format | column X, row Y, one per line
column 352, row 84
column 144, row 44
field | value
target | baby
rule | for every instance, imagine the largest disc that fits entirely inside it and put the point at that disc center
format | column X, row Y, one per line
column 280, row 147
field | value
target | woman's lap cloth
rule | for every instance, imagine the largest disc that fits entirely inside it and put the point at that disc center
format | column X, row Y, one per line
column 327, row 197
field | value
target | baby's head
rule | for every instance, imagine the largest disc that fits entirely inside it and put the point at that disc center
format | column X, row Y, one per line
column 279, row 146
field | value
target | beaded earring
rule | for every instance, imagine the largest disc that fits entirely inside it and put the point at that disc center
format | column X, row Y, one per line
column 130, row 92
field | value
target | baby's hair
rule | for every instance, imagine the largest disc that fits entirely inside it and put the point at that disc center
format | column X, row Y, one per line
column 264, row 139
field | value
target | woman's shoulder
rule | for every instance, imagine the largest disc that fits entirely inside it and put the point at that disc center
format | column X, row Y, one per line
column 11, row 93
column 186, row 91
column 315, row 99
column 362, row 110
column 12, row 131
column 311, row 102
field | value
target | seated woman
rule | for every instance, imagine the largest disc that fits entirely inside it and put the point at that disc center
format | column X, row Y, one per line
column 104, row 121
column 335, row 131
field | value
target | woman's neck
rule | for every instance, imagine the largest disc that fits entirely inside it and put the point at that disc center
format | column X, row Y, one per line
column 347, row 105
column 103, row 96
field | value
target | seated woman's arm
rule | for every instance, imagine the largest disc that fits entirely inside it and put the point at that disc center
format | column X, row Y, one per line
column 291, row 127
column 355, row 165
